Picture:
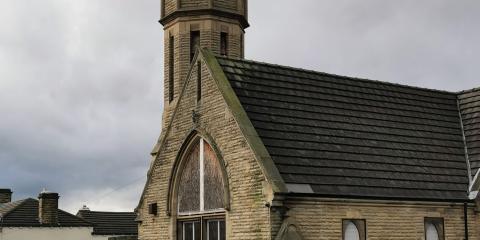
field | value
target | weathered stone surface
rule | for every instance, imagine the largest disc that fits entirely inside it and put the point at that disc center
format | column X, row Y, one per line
column 248, row 217
column 322, row 218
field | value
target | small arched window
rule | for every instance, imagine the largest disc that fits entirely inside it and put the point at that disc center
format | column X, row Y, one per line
column 354, row 229
column 201, row 195
column 431, row 232
column 434, row 229
column 351, row 231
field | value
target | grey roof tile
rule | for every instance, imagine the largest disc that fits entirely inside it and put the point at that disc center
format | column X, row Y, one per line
column 358, row 138
column 111, row 223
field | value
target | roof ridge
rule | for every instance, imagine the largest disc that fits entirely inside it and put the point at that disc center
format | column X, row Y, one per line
column 469, row 90
column 339, row 76
column 132, row 212
column 72, row 215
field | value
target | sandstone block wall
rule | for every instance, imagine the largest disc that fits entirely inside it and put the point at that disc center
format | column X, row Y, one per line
column 248, row 217
column 210, row 31
column 322, row 220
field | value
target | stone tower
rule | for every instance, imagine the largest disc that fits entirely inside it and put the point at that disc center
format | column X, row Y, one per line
column 215, row 24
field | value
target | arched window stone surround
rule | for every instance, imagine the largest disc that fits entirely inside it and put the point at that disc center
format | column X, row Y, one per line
column 181, row 160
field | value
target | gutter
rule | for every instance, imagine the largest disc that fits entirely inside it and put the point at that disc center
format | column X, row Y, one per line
column 378, row 198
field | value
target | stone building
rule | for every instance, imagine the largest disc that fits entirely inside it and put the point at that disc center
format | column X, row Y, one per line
column 250, row 150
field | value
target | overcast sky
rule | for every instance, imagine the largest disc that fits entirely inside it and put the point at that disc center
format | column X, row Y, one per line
column 81, row 81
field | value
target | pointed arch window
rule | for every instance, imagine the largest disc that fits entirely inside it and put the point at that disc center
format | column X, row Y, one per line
column 201, row 186
column 201, row 195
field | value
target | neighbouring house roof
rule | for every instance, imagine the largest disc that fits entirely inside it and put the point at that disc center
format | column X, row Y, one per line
column 111, row 223
column 123, row 238
column 24, row 213
column 338, row 136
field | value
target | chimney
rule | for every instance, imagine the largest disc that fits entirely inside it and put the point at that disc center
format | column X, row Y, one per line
column 5, row 195
column 48, row 208
column 82, row 211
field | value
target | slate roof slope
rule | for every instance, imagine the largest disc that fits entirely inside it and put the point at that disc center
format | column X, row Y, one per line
column 8, row 207
column 469, row 103
column 24, row 213
column 111, row 223
column 351, row 137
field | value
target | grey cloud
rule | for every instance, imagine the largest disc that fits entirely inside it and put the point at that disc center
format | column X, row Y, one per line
column 80, row 98
column 423, row 43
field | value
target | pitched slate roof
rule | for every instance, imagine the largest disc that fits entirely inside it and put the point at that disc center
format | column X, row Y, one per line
column 24, row 213
column 123, row 238
column 339, row 136
column 111, row 223
column 469, row 103
column 7, row 207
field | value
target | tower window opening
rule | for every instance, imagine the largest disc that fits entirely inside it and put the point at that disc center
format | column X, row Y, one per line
column 194, row 43
column 199, row 81
column 242, row 49
column 224, row 44
column 171, row 69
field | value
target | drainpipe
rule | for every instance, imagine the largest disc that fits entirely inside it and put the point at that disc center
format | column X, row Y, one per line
column 465, row 219
column 1, row 226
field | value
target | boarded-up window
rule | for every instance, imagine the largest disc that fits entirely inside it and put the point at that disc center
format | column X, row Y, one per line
column 213, row 178
column 189, row 188
column 201, row 183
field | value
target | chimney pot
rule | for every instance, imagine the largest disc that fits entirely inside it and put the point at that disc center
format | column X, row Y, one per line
column 48, row 208
column 5, row 195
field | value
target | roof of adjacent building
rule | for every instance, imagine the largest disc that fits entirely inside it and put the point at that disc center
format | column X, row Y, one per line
column 340, row 136
column 124, row 238
column 24, row 213
column 111, row 223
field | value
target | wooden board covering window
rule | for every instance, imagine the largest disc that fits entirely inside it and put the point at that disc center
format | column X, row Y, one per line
column 189, row 187
column 214, row 186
